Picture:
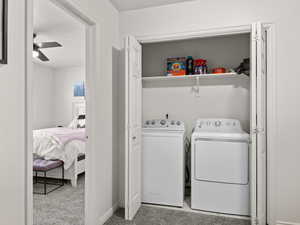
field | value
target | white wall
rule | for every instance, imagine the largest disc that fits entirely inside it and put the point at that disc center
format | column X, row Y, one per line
column 64, row 79
column 43, row 101
column 53, row 95
column 285, row 186
column 12, row 90
column 12, row 129
column 223, row 100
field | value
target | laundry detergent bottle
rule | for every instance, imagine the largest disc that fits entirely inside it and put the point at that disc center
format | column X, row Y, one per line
column 189, row 65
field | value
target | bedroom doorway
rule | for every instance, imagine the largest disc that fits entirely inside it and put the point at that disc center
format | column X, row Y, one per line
column 59, row 111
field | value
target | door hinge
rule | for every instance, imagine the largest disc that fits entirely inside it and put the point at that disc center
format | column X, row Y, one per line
column 258, row 130
column 256, row 38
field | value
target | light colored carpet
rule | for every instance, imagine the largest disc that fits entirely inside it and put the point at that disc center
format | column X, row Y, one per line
column 64, row 206
column 148, row 215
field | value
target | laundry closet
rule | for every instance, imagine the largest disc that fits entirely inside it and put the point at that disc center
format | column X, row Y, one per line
column 225, row 95
column 168, row 102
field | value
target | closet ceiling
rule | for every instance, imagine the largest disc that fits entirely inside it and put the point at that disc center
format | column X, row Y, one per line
column 53, row 24
column 124, row 5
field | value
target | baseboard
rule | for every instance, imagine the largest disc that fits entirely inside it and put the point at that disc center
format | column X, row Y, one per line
column 108, row 214
column 286, row 223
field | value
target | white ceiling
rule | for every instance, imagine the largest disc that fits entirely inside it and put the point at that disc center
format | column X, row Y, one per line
column 124, row 5
column 53, row 24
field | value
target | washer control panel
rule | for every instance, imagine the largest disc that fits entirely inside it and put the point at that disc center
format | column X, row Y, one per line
column 164, row 123
column 218, row 125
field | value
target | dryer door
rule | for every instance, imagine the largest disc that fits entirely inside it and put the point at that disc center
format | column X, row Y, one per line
column 221, row 161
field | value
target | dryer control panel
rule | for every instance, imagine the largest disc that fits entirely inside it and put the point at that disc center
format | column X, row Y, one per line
column 218, row 125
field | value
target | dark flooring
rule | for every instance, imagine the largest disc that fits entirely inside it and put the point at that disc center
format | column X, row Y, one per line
column 148, row 215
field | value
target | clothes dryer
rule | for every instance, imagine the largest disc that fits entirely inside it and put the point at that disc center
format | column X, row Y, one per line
column 220, row 171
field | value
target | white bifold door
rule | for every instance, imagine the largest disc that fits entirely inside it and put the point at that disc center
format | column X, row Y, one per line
column 133, row 114
column 133, row 124
column 258, row 147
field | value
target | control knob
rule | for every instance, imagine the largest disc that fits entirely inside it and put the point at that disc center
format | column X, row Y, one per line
column 218, row 123
column 163, row 122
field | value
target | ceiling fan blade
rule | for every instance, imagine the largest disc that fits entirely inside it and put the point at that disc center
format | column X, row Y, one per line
column 42, row 57
column 49, row 45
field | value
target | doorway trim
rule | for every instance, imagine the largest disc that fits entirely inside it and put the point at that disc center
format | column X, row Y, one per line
column 272, row 123
column 200, row 33
column 90, row 26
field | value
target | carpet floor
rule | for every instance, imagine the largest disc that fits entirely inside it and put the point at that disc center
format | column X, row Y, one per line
column 64, row 206
column 148, row 215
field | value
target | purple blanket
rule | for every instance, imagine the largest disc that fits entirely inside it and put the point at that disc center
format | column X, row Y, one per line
column 66, row 135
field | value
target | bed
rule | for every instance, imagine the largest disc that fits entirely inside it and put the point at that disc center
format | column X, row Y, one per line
column 67, row 144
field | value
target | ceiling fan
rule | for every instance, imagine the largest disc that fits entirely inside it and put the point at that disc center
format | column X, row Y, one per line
column 37, row 46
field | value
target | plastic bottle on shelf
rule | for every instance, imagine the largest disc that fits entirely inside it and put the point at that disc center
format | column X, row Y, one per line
column 200, row 66
column 189, row 65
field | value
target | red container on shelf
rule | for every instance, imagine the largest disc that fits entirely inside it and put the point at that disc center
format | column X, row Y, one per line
column 200, row 66
column 218, row 70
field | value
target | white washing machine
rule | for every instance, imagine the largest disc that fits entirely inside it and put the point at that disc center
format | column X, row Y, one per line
column 220, row 173
column 163, row 162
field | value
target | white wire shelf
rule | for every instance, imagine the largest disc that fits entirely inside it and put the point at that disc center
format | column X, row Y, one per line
column 201, row 76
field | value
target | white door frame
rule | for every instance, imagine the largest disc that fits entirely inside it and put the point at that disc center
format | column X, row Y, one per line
column 90, row 100
column 271, row 94
column 199, row 33
column 272, row 124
